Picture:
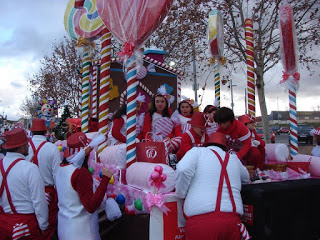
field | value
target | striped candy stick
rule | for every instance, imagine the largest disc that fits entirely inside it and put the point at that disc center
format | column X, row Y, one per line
column 85, row 90
column 79, row 92
column 178, row 90
column 293, row 121
column 131, row 76
column 94, row 92
column 250, row 67
column 216, row 82
column 104, row 85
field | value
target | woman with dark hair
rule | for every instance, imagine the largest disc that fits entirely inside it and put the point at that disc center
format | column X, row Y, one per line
column 118, row 131
column 77, row 216
column 181, row 117
column 159, row 110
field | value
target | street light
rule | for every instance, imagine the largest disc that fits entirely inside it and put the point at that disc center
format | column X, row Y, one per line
column 3, row 112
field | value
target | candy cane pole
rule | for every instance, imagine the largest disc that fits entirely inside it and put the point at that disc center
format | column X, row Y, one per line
column 131, row 110
column 178, row 90
column 94, row 92
column 104, row 85
column 293, row 121
column 250, row 67
column 79, row 92
column 216, row 82
column 85, row 90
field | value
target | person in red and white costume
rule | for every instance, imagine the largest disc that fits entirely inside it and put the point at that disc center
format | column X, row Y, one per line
column 181, row 117
column 209, row 179
column 209, row 112
column 256, row 154
column 195, row 137
column 118, row 130
column 47, row 157
column 238, row 135
column 158, row 112
column 23, row 205
column 77, row 217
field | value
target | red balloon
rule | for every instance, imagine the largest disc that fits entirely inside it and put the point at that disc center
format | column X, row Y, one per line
column 133, row 21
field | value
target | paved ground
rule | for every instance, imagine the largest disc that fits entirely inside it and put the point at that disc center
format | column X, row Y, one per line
column 303, row 148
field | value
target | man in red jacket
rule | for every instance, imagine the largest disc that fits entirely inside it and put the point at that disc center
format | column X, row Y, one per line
column 195, row 137
column 238, row 135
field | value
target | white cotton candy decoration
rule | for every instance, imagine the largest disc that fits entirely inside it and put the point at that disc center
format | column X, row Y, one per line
column 151, row 68
column 78, row 159
column 97, row 140
column 112, row 209
column 141, row 98
column 162, row 90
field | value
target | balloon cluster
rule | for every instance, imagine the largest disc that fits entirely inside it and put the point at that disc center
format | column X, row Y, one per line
column 158, row 177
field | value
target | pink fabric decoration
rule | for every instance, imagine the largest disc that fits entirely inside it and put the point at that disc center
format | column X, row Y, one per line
column 158, row 200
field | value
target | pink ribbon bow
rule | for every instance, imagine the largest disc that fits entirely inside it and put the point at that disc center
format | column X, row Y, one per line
column 127, row 50
column 285, row 76
column 151, row 200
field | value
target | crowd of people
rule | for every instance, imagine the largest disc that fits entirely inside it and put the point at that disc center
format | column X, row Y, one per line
column 41, row 192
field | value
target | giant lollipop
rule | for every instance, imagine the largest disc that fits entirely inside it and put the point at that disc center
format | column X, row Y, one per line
column 132, row 22
column 291, row 77
column 216, row 47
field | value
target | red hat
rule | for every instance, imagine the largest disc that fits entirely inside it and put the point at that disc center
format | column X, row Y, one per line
column 38, row 125
column 75, row 143
column 247, row 118
column 198, row 120
column 15, row 138
column 218, row 138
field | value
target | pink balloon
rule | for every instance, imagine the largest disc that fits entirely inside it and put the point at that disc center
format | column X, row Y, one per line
column 158, row 169
column 163, row 177
column 133, row 21
column 155, row 176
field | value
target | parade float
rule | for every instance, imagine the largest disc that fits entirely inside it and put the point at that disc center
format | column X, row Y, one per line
column 146, row 205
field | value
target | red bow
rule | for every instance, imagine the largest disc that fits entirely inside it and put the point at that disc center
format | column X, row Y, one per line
column 127, row 50
column 285, row 76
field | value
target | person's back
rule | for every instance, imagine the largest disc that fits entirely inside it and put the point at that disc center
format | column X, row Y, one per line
column 204, row 180
column 210, row 181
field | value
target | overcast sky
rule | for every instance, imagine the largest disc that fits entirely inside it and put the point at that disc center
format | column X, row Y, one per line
column 29, row 28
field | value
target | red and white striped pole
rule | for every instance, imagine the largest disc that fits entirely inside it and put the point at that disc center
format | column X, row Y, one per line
column 94, row 92
column 104, row 85
column 178, row 90
column 251, row 86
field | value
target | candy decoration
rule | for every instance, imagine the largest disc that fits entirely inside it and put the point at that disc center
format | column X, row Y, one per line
column 216, row 47
column 94, row 92
column 138, row 204
column 178, row 90
column 143, row 87
column 104, row 85
column 111, row 180
column 133, row 21
column 63, row 148
column 100, row 174
column 120, row 199
column 81, row 19
column 80, row 93
column 289, row 58
column 85, row 91
column 251, row 86
column 91, row 170
column 216, row 83
column 60, row 148
column 131, row 111
column 142, row 72
column 130, row 210
column 157, row 178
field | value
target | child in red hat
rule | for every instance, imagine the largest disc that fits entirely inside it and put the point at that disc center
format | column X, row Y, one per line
column 196, row 136
column 256, row 154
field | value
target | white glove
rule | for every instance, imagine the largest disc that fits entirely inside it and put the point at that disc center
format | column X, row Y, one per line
column 256, row 143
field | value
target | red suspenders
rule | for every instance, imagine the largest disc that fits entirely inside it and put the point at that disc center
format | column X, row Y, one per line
column 36, row 151
column 4, row 184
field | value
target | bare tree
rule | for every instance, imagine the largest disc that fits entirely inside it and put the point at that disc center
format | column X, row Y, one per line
column 58, row 75
column 189, row 18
